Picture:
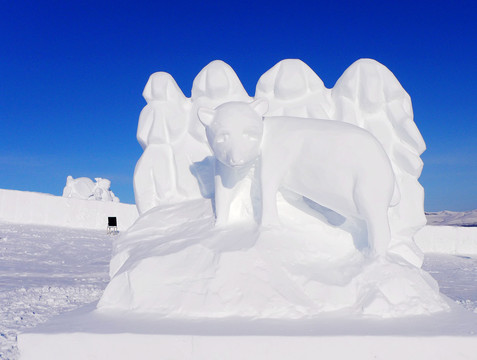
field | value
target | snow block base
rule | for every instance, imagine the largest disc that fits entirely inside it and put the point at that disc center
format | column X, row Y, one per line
column 96, row 335
column 135, row 346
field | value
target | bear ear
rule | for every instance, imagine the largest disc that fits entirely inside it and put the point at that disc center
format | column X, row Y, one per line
column 260, row 106
column 206, row 116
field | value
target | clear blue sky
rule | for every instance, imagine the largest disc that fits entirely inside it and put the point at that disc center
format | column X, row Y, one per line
column 72, row 74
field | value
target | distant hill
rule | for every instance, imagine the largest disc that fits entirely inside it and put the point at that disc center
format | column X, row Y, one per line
column 452, row 218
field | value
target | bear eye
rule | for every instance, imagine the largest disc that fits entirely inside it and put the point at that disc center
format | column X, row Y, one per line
column 221, row 138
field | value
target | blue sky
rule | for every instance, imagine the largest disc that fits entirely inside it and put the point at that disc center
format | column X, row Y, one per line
column 72, row 74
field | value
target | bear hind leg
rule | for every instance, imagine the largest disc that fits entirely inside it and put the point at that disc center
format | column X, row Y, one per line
column 375, row 214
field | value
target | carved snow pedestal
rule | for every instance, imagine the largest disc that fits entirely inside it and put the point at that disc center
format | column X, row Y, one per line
column 279, row 226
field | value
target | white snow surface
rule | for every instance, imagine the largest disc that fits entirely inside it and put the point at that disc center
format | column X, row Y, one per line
column 457, row 240
column 24, row 207
column 449, row 232
column 46, row 271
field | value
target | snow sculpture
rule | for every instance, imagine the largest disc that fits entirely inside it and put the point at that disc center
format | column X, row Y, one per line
column 370, row 96
column 80, row 188
column 293, row 89
column 367, row 95
column 85, row 189
column 175, row 165
column 335, row 164
column 162, row 134
column 101, row 191
column 199, row 251
column 215, row 84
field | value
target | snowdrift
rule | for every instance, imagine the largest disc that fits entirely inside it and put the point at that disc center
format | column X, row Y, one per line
column 453, row 240
column 36, row 208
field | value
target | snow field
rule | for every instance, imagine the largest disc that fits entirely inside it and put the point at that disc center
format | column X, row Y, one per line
column 456, row 275
column 46, row 271
column 27, row 307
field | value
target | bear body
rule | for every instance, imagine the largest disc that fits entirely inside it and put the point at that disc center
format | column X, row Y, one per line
column 337, row 165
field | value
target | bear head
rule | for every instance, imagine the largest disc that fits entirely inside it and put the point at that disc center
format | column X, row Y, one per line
column 234, row 131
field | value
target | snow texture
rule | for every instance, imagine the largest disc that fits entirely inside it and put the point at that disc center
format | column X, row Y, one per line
column 84, row 188
column 44, row 209
column 46, row 271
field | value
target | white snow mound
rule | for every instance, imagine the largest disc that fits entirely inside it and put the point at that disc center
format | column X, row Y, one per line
column 174, row 263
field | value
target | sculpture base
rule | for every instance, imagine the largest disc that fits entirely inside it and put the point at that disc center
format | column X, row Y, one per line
column 91, row 334
column 173, row 262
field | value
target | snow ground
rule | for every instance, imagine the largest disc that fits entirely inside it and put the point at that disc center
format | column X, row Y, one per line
column 46, row 271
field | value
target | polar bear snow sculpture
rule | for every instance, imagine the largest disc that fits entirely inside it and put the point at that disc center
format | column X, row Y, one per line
column 176, row 164
column 337, row 165
column 174, row 263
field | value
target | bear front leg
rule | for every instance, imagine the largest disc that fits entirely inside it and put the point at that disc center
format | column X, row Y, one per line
column 222, row 202
column 269, row 188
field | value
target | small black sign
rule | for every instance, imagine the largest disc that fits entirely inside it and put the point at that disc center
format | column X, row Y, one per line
column 112, row 221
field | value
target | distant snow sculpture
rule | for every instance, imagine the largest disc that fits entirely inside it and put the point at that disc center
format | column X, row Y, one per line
column 337, row 168
column 84, row 188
